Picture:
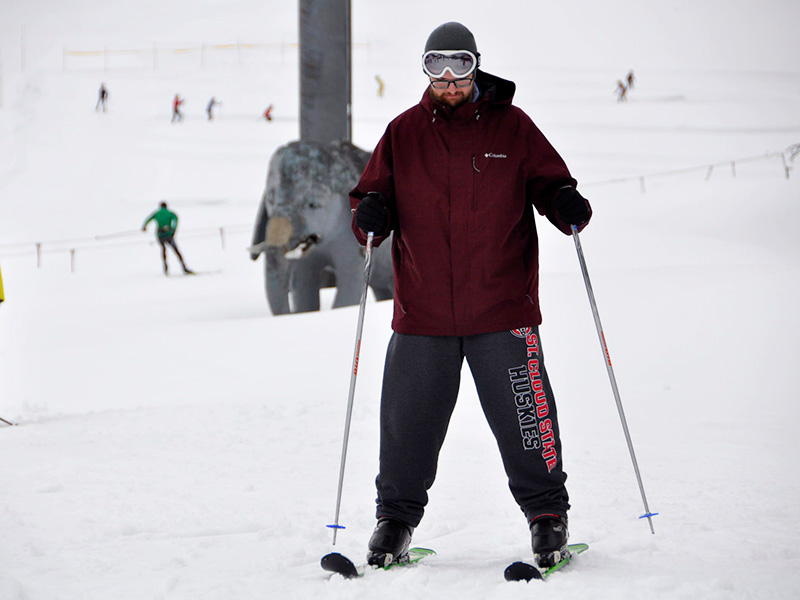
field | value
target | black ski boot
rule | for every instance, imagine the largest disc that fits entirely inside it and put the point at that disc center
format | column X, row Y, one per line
column 549, row 535
column 389, row 542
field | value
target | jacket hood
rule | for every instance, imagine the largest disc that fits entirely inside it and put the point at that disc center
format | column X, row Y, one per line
column 493, row 89
column 496, row 89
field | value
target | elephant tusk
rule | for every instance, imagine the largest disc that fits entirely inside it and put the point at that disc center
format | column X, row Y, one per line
column 257, row 248
column 301, row 248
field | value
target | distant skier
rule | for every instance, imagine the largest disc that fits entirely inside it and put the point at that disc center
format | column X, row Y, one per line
column 210, row 108
column 268, row 113
column 621, row 91
column 166, row 225
column 630, row 79
column 102, row 97
column 177, row 115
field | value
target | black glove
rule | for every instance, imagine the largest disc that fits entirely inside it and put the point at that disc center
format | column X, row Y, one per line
column 572, row 208
column 372, row 214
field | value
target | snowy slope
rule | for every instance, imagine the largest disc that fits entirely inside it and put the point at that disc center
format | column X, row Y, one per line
column 176, row 441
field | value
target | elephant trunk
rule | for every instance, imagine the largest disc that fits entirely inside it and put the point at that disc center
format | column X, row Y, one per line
column 279, row 231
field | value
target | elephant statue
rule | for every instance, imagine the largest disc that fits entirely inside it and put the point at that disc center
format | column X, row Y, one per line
column 303, row 229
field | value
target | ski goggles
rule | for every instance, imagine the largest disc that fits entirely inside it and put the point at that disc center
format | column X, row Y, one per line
column 460, row 63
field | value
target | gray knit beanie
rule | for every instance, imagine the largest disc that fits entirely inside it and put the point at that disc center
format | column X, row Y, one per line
column 452, row 36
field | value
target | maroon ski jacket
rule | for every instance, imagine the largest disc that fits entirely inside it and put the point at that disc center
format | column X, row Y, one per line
column 460, row 186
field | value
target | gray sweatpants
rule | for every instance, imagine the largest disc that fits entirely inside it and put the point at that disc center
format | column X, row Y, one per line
column 420, row 386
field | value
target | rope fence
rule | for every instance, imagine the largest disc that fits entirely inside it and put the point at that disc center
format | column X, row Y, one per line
column 792, row 152
column 101, row 242
column 152, row 58
column 104, row 241
column 202, row 55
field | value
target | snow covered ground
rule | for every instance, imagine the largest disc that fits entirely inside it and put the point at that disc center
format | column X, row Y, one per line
column 176, row 441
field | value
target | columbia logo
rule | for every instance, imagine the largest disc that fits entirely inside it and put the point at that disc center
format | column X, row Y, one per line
column 493, row 155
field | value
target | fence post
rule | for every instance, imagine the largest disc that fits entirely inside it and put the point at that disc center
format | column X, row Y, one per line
column 710, row 170
column 72, row 260
column 38, row 255
column 641, row 185
column 222, row 236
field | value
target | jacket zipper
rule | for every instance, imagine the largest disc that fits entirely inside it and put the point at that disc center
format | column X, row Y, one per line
column 475, row 173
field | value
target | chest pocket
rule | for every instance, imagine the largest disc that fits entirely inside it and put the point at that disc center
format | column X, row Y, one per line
column 494, row 180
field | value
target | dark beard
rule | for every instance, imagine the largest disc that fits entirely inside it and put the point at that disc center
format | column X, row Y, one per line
column 466, row 99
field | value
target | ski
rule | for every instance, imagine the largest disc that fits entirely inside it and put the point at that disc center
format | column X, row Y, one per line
column 337, row 563
column 522, row 571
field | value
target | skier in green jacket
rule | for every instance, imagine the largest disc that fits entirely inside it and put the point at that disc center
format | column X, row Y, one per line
column 166, row 225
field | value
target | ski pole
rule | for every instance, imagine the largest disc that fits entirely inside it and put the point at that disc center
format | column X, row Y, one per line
column 9, row 423
column 353, row 373
column 648, row 515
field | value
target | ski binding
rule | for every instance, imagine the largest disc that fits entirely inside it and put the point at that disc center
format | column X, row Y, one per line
column 338, row 563
column 523, row 571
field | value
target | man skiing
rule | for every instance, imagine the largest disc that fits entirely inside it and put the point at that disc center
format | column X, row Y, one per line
column 177, row 115
column 102, row 98
column 456, row 178
column 166, row 225
column 210, row 107
column 622, row 91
